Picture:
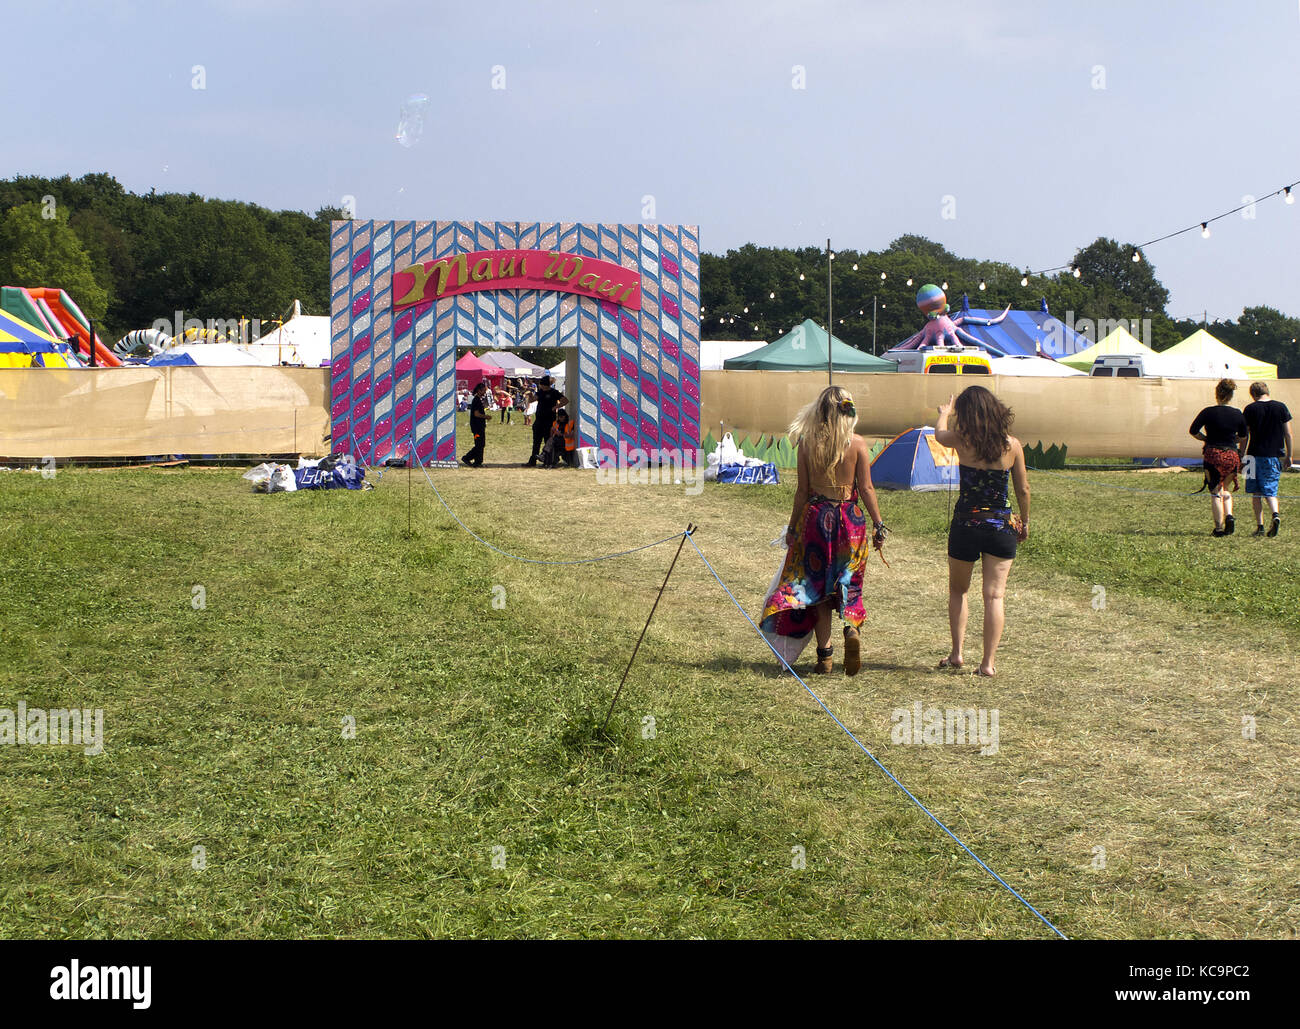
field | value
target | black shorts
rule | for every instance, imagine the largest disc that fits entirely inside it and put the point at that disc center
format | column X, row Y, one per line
column 966, row 543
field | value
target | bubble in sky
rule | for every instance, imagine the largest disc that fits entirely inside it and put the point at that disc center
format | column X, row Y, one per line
column 410, row 126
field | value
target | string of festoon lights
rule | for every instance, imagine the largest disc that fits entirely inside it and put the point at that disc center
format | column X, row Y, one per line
column 752, row 311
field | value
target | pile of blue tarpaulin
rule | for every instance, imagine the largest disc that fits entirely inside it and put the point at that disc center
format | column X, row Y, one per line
column 327, row 473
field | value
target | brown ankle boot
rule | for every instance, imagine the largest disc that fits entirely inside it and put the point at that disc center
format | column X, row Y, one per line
column 852, row 651
column 825, row 660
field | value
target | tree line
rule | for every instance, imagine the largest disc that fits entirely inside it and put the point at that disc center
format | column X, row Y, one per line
column 758, row 293
column 130, row 259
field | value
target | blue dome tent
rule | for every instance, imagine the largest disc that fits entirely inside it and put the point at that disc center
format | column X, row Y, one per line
column 915, row 460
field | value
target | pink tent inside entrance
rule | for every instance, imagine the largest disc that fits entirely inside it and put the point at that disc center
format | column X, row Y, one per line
column 471, row 371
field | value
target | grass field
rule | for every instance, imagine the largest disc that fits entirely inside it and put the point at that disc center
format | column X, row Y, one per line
column 476, row 797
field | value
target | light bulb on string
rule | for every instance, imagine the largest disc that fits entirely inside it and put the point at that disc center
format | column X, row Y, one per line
column 855, row 267
column 882, row 276
column 1024, row 279
column 801, row 276
column 945, row 284
column 982, row 285
column 771, row 296
column 909, row 280
column 745, row 311
column 1288, row 196
column 1136, row 257
column 1205, row 230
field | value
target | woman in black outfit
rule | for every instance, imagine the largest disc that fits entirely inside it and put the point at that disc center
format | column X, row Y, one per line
column 1222, row 428
column 983, row 526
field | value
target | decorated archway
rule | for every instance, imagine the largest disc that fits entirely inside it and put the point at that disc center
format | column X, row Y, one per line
column 406, row 294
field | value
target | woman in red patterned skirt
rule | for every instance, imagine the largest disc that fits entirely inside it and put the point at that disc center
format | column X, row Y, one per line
column 1222, row 428
column 827, row 532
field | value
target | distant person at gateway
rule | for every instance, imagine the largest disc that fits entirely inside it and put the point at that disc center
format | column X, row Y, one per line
column 1270, row 443
column 548, row 399
column 478, row 426
column 1222, row 428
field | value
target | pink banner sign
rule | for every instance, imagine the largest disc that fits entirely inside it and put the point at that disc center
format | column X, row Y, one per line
column 516, row 269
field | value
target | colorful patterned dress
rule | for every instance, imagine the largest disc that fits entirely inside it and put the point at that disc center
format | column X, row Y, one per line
column 826, row 560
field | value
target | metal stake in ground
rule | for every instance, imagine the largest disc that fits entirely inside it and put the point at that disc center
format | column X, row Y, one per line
column 689, row 530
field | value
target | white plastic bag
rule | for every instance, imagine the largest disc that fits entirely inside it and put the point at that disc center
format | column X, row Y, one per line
column 271, row 478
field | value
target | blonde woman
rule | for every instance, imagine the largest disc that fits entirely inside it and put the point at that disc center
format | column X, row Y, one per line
column 826, row 537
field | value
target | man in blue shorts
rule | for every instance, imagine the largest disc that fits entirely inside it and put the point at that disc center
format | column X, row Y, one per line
column 1269, row 444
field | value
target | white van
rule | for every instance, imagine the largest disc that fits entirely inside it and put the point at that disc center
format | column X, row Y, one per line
column 1132, row 366
column 1120, row 366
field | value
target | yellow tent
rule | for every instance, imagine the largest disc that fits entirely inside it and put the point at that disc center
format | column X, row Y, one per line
column 1203, row 354
column 1117, row 341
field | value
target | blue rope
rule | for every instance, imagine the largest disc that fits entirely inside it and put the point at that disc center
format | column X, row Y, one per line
column 873, row 757
column 533, row 560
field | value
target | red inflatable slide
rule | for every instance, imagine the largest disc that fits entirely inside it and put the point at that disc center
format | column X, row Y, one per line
column 74, row 324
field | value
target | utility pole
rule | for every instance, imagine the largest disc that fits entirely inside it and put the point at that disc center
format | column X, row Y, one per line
column 830, row 320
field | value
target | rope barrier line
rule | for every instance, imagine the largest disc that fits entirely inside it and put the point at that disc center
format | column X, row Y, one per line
column 687, row 536
column 869, row 754
column 1134, row 489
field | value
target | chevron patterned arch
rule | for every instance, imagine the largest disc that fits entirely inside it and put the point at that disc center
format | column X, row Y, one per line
column 393, row 376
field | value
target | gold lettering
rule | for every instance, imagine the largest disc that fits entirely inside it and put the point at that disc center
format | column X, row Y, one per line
column 588, row 281
column 608, row 288
column 480, row 274
column 623, row 297
column 577, row 267
column 442, row 266
column 559, row 269
column 506, row 269
column 416, row 293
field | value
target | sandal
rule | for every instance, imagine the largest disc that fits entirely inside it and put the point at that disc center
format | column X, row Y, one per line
column 852, row 651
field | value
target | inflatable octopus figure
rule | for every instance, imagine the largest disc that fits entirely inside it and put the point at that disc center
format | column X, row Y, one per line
column 940, row 330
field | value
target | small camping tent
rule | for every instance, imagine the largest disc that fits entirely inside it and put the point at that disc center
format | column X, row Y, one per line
column 470, row 371
column 803, row 349
column 1117, row 341
column 1203, row 354
column 914, row 460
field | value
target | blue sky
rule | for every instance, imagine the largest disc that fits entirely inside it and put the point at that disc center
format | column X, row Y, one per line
column 991, row 102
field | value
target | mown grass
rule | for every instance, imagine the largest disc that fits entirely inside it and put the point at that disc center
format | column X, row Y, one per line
column 476, row 723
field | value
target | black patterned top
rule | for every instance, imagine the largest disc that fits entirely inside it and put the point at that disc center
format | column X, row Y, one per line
column 983, row 498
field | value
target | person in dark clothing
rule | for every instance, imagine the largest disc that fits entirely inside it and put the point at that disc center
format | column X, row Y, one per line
column 548, row 399
column 1270, row 443
column 478, row 426
column 1222, row 428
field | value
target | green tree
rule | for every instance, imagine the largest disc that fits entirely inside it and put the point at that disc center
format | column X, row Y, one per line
column 36, row 250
